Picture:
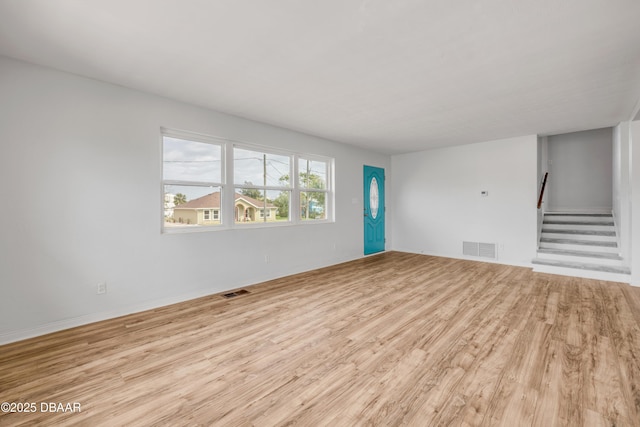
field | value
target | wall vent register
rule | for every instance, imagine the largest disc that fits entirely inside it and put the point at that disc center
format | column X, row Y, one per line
column 478, row 249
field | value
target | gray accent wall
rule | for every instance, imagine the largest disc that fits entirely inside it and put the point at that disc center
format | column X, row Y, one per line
column 580, row 171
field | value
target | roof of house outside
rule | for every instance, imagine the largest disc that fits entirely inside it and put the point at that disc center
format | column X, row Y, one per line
column 212, row 201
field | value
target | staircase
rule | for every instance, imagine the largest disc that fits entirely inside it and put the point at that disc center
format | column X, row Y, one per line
column 580, row 244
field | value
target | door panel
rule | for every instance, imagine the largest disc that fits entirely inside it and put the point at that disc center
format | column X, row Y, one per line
column 374, row 210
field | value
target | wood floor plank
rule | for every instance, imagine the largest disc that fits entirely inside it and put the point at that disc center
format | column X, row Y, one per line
column 572, row 361
column 392, row 339
column 547, row 412
column 625, row 339
column 599, row 367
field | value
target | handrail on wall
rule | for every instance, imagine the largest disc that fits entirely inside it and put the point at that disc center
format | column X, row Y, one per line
column 544, row 183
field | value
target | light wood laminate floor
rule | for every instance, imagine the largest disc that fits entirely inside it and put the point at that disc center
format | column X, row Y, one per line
column 393, row 339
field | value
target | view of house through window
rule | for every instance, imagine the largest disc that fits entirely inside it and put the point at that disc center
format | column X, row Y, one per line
column 262, row 186
column 192, row 178
column 261, row 191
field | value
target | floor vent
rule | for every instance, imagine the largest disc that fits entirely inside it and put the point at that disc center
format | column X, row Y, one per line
column 236, row 293
column 483, row 250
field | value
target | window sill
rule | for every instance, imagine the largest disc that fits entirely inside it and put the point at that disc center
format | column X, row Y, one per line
column 205, row 228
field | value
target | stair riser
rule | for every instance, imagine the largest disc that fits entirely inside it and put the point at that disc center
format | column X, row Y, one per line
column 569, row 240
column 612, row 277
column 591, row 267
column 580, row 227
column 572, row 224
column 586, row 248
column 589, row 254
column 581, row 237
column 586, row 260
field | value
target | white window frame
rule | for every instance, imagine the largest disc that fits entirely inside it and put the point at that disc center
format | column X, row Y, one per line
column 265, row 188
column 228, row 187
column 328, row 190
column 195, row 137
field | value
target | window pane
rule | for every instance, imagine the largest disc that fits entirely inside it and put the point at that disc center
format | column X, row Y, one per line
column 185, row 205
column 313, row 205
column 260, row 169
column 278, row 205
column 248, row 204
column 191, row 161
column 312, row 174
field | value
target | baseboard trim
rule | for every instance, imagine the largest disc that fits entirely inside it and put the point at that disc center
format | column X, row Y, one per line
column 467, row 258
column 60, row 325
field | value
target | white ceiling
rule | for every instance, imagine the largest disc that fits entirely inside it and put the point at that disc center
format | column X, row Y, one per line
column 391, row 75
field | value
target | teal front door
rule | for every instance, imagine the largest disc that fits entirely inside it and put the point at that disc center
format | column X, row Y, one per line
column 373, row 210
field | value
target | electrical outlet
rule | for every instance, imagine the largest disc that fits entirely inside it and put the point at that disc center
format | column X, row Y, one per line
column 266, row 259
column 102, row 288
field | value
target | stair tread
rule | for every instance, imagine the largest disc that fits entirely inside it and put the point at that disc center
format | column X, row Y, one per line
column 602, row 255
column 577, row 222
column 579, row 242
column 585, row 232
column 583, row 266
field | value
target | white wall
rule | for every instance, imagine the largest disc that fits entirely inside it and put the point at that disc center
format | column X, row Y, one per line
column 621, row 188
column 437, row 203
column 634, row 154
column 543, row 163
column 580, row 171
column 77, row 151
